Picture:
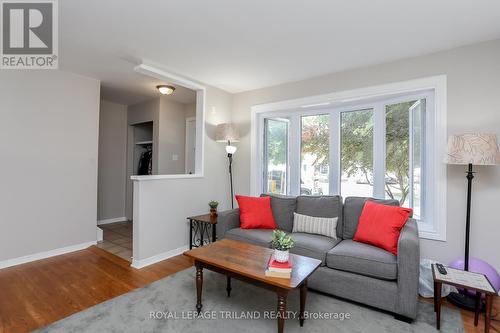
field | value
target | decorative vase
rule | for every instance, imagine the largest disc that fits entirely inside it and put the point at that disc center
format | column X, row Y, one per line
column 281, row 256
column 213, row 212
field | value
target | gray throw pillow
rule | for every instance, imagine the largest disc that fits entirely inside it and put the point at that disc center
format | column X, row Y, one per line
column 326, row 226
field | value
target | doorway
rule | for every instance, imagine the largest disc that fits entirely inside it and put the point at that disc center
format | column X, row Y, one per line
column 141, row 134
column 117, row 239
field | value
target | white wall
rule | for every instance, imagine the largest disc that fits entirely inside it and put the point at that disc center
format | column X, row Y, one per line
column 48, row 161
column 112, row 164
column 473, row 87
column 164, row 204
column 190, row 110
column 171, row 137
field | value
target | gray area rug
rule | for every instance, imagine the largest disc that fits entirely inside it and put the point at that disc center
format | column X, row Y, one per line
column 168, row 306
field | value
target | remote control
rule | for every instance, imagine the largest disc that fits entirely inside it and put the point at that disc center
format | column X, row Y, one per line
column 441, row 269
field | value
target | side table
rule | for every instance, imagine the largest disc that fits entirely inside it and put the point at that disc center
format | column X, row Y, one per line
column 466, row 280
column 202, row 230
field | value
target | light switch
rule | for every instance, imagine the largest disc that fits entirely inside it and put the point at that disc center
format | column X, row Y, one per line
column 175, row 157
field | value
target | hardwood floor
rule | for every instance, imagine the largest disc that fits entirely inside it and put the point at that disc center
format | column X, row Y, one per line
column 468, row 317
column 36, row 294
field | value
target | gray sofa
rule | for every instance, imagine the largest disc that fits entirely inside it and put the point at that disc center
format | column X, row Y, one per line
column 351, row 270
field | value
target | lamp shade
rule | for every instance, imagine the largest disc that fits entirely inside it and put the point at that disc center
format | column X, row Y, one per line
column 473, row 148
column 227, row 132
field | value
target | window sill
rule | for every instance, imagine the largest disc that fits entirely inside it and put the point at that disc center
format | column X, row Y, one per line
column 431, row 235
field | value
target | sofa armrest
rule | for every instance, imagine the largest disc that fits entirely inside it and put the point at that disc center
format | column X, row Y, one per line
column 408, row 269
column 227, row 220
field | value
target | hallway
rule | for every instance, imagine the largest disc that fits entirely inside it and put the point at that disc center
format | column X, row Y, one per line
column 117, row 239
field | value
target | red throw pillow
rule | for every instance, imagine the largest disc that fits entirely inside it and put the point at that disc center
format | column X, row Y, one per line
column 380, row 225
column 255, row 212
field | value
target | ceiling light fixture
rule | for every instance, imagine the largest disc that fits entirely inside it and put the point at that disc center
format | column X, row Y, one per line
column 165, row 90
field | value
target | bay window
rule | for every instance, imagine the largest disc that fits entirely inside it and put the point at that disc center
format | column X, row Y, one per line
column 371, row 148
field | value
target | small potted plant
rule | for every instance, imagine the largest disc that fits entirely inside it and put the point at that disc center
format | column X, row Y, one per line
column 213, row 208
column 281, row 243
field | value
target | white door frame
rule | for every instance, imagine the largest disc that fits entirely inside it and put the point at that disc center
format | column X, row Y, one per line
column 188, row 119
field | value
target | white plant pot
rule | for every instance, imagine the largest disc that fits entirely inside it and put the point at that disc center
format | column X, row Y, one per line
column 281, row 256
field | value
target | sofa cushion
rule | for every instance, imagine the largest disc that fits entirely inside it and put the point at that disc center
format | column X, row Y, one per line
column 255, row 212
column 313, row 246
column 326, row 226
column 261, row 237
column 322, row 206
column 353, row 206
column 364, row 259
column 380, row 225
column 283, row 208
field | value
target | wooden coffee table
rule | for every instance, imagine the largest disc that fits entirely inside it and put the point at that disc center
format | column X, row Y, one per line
column 247, row 262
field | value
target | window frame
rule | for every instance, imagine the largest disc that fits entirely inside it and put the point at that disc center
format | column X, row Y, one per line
column 298, row 138
column 265, row 166
column 375, row 130
column 432, row 89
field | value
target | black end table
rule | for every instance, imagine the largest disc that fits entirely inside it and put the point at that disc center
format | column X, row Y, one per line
column 202, row 230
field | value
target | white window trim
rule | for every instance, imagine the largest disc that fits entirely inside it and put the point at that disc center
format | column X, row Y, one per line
column 437, row 229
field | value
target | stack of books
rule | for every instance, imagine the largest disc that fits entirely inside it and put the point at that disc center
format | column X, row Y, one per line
column 279, row 269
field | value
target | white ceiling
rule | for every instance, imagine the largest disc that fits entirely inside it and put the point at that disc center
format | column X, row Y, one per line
column 129, row 88
column 245, row 45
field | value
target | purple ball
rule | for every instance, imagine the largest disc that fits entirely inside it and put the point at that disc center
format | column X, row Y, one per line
column 479, row 266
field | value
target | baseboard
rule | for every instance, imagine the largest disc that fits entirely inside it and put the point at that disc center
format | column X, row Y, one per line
column 43, row 255
column 100, row 234
column 159, row 257
column 114, row 220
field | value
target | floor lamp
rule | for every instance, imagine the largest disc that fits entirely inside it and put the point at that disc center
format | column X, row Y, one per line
column 470, row 149
column 228, row 133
